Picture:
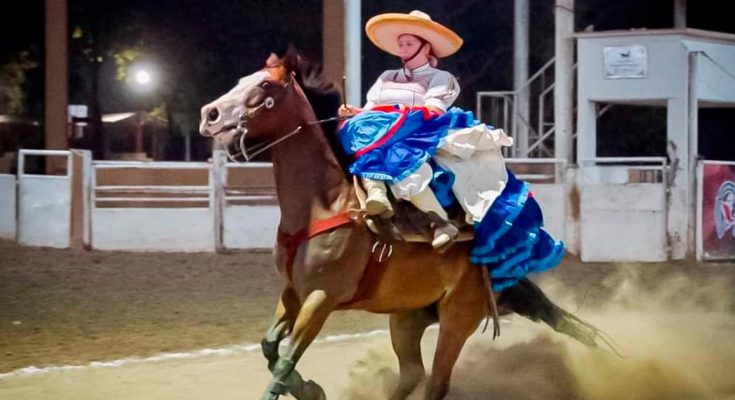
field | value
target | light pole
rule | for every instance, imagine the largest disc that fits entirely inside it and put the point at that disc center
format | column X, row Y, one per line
column 142, row 78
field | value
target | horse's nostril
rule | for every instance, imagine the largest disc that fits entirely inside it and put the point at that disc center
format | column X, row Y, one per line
column 212, row 115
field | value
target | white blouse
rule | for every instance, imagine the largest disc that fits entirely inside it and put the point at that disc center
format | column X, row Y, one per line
column 423, row 86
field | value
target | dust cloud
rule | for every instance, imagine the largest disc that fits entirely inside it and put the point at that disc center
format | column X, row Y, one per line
column 676, row 335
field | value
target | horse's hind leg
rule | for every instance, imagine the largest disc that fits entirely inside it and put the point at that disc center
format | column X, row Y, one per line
column 406, row 330
column 314, row 311
column 283, row 321
column 460, row 312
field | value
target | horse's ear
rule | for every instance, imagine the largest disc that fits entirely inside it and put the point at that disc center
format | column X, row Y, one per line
column 290, row 60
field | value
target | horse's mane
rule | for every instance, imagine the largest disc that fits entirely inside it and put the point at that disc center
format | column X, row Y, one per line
column 325, row 98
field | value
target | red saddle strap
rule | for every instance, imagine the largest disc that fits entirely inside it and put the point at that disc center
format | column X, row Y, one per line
column 292, row 242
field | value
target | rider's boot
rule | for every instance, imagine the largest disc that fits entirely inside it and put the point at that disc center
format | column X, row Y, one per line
column 377, row 203
column 445, row 233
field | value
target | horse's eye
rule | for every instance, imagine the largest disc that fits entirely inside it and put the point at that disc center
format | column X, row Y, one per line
column 265, row 84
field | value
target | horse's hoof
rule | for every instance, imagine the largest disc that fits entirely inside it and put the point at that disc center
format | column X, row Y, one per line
column 270, row 396
column 312, row 391
column 270, row 351
column 274, row 391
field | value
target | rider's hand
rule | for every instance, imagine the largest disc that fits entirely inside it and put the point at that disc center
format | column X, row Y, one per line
column 347, row 110
column 435, row 110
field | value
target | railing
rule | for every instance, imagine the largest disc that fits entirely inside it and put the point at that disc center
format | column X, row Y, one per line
column 640, row 169
column 538, row 170
column 532, row 140
column 136, row 189
column 258, row 189
column 23, row 153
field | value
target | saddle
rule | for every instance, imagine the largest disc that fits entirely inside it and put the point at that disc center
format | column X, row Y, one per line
column 409, row 224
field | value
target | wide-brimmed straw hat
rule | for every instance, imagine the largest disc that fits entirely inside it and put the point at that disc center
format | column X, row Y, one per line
column 384, row 30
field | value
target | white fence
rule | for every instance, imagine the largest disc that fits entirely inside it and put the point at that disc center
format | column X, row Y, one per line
column 623, row 209
column 246, row 205
column 185, row 206
column 140, row 206
column 44, row 203
column 52, row 210
column 8, row 213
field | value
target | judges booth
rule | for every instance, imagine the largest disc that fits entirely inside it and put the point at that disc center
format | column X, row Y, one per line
column 645, row 207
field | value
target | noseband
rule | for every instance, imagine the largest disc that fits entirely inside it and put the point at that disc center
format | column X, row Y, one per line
column 268, row 103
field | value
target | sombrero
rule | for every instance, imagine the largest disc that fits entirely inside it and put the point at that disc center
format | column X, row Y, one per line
column 384, row 29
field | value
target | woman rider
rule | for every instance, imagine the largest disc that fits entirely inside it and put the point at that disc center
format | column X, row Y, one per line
column 408, row 121
column 418, row 42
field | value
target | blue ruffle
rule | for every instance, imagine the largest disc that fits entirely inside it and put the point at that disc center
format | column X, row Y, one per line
column 415, row 141
column 511, row 240
column 441, row 184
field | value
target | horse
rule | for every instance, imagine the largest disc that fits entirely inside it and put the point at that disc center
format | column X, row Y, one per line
column 324, row 251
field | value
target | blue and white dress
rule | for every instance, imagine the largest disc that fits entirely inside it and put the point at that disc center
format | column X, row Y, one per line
column 398, row 140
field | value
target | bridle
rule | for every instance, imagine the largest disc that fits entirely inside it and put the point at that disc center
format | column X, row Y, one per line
column 268, row 103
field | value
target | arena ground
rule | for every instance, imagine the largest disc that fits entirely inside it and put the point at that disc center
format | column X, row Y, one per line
column 674, row 321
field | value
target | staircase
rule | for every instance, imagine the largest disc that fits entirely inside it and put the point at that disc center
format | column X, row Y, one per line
column 533, row 131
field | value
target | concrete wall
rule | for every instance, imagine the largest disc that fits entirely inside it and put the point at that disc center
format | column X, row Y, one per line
column 623, row 223
column 7, row 206
column 44, row 212
column 153, row 229
column 250, row 227
column 622, row 219
column 552, row 199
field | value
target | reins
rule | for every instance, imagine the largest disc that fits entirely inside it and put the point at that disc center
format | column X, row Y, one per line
column 269, row 103
column 298, row 129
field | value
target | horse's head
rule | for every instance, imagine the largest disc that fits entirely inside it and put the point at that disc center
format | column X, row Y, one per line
column 257, row 112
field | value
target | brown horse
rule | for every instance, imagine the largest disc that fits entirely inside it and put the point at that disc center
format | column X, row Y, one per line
column 324, row 248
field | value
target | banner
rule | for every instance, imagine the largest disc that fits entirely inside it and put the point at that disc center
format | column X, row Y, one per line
column 718, row 211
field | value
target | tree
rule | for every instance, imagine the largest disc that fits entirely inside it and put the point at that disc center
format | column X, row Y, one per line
column 12, row 81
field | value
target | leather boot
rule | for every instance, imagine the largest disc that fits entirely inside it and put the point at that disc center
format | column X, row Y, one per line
column 377, row 203
column 445, row 233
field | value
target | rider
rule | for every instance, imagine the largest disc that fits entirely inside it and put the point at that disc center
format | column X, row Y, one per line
column 419, row 42
column 408, row 122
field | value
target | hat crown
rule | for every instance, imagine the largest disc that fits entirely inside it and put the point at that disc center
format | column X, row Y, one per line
column 420, row 14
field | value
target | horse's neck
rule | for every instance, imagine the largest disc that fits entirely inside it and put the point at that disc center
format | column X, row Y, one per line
column 309, row 180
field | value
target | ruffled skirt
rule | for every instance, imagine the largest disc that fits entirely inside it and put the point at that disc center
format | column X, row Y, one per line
column 511, row 239
column 391, row 144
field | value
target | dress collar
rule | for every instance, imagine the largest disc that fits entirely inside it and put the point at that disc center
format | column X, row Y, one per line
column 423, row 68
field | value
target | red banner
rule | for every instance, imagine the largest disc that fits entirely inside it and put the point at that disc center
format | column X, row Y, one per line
column 718, row 211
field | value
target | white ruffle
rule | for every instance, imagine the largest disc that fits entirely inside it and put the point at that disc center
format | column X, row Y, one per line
column 475, row 157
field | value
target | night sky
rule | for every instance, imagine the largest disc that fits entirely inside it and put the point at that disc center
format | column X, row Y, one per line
column 203, row 47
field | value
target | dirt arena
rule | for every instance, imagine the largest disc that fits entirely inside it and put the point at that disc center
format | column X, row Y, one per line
column 675, row 323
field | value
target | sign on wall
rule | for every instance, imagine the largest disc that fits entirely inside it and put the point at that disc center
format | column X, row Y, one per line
column 625, row 62
column 718, row 211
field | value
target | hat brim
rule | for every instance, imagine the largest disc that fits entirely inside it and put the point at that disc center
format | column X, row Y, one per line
column 383, row 30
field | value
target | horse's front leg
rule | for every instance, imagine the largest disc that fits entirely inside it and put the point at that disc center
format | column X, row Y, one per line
column 283, row 322
column 315, row 309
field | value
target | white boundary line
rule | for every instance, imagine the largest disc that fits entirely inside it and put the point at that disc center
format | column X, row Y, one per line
column 192, row 355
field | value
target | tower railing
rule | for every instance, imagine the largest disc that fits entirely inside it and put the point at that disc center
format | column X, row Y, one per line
column 534, row 131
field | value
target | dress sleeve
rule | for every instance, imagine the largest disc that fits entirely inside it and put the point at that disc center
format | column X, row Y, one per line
column 443, row 91
column 373, row 95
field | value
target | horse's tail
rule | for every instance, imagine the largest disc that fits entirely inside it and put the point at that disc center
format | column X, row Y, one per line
column 526, row 299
